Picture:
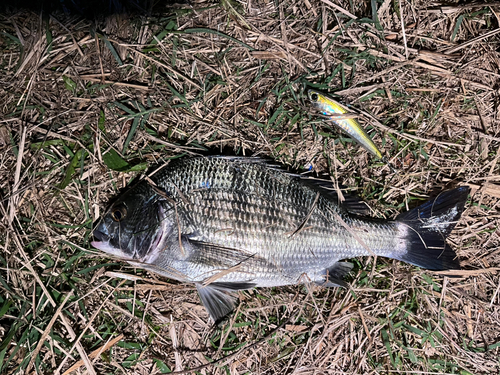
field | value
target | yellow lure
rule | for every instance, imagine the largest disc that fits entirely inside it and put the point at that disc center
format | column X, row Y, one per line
column 329, row 107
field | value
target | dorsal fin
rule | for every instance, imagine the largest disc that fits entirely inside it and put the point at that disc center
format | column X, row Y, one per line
column 350, row 203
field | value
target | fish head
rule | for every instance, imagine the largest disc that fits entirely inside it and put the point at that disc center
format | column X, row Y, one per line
column 313, row 95
column 326, row 105
column 134, row 227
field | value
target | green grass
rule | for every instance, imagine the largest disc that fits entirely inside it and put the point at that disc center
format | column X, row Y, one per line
column 188, row 83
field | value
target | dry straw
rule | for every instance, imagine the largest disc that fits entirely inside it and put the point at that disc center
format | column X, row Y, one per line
column 87, row 105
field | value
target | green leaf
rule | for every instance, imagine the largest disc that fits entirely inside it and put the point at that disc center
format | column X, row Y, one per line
column 72, row 167
column 69, row 83
column 159, row 37
column 411, row 355
column 111, row 49
column 164, row 369
column 2, row 357
column 131, row 133
column 114, row 161
column 130, row 345
column 101, row 122
column 51, row 142
column 387, row 343
column 6, row 340
column 131, row 360
column 457, row 27
column 5, row 307
column 138, row 167
column 494, row 346
column 230, row 5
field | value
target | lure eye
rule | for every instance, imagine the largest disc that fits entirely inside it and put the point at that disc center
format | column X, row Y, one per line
column 314, row 96
column 119, row 213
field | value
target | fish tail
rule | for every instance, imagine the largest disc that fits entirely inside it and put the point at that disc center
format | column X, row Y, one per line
column 427, row 227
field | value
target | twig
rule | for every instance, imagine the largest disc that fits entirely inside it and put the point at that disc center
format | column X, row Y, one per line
column 472, row 41
column 222, row 273
column 301, row 227
column 352, row 233
column 114, row 83
column 78, row 344
column 403, row 29
column 96, row 353
column 17, row 174
column 77, row 341
column 340, row 9
column 171, row 145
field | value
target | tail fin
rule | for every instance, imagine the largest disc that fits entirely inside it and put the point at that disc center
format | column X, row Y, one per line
column 429, row 225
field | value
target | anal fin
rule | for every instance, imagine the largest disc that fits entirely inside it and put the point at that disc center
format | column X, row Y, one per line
column 334, row 275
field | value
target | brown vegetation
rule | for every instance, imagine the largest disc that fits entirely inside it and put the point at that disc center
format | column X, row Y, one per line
column 87, row 106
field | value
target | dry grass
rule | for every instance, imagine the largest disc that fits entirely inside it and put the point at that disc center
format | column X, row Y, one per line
column 85, row 107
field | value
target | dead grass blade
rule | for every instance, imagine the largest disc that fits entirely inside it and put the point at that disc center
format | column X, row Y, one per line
column 47, row 331
column 95, row 354
column 208, row 79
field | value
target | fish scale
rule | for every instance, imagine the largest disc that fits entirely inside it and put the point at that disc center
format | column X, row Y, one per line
column 267, row 231
column 234, row 223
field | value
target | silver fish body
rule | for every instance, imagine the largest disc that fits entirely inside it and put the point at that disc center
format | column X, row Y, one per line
column 235, row 223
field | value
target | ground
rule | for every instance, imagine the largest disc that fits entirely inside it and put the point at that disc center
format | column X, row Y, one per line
column 88, row 104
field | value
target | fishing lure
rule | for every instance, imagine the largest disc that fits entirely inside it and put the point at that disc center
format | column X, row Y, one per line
column 329, row 107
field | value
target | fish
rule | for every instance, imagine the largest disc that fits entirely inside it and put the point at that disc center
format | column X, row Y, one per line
column 328, row 107
column 234, row 223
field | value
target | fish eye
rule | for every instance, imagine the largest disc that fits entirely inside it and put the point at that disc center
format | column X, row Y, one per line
column 119, row 213
column 314, row 96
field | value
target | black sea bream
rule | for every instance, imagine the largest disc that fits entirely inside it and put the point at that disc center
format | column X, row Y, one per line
column 233, row 223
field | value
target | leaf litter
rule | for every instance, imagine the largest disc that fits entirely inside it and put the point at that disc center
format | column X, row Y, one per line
column 85, row 112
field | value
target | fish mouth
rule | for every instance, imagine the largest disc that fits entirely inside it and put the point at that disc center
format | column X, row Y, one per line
column 107, row 248
column 100, row 236
column 102, row 243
